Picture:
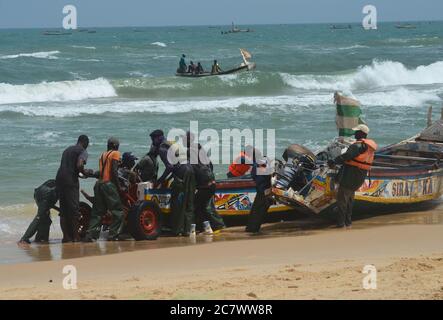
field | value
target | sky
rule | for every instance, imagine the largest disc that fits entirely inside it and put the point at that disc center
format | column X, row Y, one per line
column 116, row 13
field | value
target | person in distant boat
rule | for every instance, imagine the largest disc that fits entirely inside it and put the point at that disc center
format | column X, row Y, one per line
column 261, row 174
column 243, row 163
column 192, row 68
column 356, row 163
column 72, row 165
column 45, row 197
column 200, row 69
column 182, row 65
column 106, row 194
column 216, row 68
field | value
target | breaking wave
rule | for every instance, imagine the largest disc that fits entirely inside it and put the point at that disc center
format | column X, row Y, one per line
column 14, row 220
column 287, row 104
column 39, row 55
column 383, row 83
column 378, row 74
column 84, row 47
column 159, row 44
column 55, row 91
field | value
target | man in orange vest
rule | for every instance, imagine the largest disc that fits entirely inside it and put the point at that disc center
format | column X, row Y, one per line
column 356, row 162
column 243, row 163
column 106, row 194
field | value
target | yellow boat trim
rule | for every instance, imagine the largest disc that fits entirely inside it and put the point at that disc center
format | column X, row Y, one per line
column 396, row 200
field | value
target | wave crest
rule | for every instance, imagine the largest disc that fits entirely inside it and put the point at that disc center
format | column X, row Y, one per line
column 378, row 74
column 51, row 55
column 56, row 91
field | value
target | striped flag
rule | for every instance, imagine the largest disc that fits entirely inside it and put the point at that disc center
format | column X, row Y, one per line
column 348, row 115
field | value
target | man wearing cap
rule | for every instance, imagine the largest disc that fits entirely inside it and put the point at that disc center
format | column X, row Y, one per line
column 356, row 162
column 126, row 172
column 106, row 194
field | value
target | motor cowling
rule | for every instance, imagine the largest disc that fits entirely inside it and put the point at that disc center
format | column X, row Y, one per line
column 296, row 171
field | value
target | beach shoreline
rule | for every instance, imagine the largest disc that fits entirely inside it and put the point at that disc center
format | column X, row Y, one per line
column 328, row 265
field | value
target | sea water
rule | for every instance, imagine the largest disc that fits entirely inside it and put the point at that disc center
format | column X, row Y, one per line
column 121, row 82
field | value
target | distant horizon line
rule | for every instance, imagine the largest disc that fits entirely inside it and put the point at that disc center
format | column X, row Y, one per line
column 223, row 25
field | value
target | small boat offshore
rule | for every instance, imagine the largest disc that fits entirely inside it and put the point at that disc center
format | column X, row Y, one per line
column 407, row 172
column 246, row 65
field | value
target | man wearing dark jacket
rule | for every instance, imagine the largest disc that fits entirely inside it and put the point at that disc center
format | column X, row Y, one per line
column 262, row 176
column 45, row 197
column 182, row 186
column 72, row 164
column 205, row 183
column 356, row 162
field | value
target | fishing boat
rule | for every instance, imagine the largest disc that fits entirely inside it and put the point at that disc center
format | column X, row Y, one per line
column 235, row 29
column 56, row 33
column 246, row 65
column 406, row 26
column 233, row 198
column 340, row 27
column 403, row 173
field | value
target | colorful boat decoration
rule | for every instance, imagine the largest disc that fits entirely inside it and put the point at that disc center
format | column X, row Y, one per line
column 407, row 172
column 234, row 197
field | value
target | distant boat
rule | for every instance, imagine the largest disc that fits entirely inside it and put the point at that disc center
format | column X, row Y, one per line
column 56, row 33
column 245, row 66
column 235, row 29
column 406, row 26
column 341, row 27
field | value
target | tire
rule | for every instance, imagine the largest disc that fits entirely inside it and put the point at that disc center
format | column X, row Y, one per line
column 145, row 221
column 84, row 218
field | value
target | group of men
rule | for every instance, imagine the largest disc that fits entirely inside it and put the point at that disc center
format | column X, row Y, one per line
column 196, row 69
column 193, row 188
column 193, row 185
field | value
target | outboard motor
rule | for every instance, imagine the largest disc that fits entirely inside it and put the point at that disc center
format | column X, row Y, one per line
column 297, row 171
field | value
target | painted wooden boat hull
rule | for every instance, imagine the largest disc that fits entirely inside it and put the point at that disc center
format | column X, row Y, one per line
column 208, row 74
column 398, row 184
column 233, row 198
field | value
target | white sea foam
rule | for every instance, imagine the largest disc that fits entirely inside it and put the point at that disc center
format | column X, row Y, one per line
column 56, row 91
column 159, row 44
column 286, row 103
column 378, row 74
column 39, row 55
column 14, row 220
column 357, row 46
column 84, row 47
column 140, row 74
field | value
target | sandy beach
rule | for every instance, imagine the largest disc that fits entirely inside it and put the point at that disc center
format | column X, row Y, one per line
column 326, row 264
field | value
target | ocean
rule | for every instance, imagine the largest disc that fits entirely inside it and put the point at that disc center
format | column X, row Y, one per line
column 120, row 82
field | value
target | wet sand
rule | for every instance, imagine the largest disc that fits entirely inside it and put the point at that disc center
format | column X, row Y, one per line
column 291, row 260
column 12, row 254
